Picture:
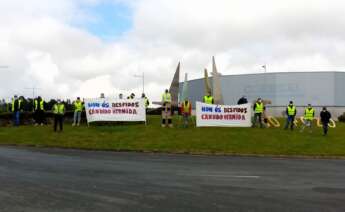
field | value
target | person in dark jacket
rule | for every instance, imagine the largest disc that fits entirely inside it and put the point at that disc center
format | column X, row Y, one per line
column 243, row 100
column 325, row 116
column 39, row 106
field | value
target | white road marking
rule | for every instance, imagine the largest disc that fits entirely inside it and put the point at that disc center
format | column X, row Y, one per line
column 231, row 176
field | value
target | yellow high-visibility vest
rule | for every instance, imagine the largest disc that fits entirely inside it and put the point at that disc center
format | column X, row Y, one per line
column 78, row 106
column 59, row 109
column 19, row 104
column 166, row 97
column 309, row 114
column 186, row 107
column 13, row 105
column 208, row 99
column 259, row 108
column 41, row 104
column 146, row 100
column 291, row 110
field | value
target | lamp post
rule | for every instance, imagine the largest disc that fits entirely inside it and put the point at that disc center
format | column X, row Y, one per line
column 33, row 91
column 143, row 79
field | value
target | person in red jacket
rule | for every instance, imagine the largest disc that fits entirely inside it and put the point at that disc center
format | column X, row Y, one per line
column 186, row 111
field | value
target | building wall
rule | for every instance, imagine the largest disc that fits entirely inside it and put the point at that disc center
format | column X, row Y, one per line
column 316, row 88
column 340, row 89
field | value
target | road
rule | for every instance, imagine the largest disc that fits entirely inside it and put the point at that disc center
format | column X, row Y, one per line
column 71, row 180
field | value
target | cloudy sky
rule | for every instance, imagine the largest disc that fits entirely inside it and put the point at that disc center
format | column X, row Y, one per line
column 72, row 48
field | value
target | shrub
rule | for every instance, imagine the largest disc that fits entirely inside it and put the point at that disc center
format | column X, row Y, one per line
column 342, row 118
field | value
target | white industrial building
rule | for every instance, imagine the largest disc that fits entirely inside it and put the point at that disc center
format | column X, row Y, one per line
column 317, row 88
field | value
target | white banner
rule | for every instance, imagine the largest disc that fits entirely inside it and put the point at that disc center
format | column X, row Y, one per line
column 112, row 109
column 223, row 115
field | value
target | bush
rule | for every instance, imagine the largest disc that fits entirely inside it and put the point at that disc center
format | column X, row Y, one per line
column 342, row 118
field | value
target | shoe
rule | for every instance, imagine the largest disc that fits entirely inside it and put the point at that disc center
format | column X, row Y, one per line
column 73, row 125
column 78, row 125
column 163, row 125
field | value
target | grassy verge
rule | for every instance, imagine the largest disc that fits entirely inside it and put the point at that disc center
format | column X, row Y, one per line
column 273, row 141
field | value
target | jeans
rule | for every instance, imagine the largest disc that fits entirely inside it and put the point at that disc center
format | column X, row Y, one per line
column 77, row 117
column 290, row 122
column 16, row 118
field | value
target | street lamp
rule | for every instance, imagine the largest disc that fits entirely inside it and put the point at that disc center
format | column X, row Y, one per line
column 33, row 91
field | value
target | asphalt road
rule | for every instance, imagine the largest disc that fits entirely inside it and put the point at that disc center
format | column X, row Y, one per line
column 70, row 180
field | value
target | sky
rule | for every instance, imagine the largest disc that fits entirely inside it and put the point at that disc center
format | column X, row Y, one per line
column 71, row 48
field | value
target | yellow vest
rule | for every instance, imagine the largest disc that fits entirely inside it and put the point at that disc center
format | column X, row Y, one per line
column 146, row 100
column 185, row 108
column 78, row 106
column 19, row 104
column 291, row 110
column 59, row 109
column 259, row 107
column 309, row 114
column 13, row 105
column 166, row 97
column 41, row 104
column 208, row 99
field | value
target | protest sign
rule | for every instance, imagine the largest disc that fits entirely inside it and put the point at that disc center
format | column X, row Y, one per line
column 112, row 109
column 208, row 115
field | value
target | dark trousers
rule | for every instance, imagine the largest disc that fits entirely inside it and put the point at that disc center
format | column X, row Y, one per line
column 58, row 120
column 290, row 122
column 325, row 128
column 257, row 116
column 39, row 117
column 166, row 121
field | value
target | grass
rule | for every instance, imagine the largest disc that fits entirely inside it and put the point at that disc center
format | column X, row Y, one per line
column 153, row 138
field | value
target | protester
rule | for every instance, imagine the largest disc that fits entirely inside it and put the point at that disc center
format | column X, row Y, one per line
column 3, row 106
column 325, row 116
column 59, row 111
column 17, row 107
column 291, row 112
column 166, row 113
column 258, row 111
column 120, row 96
column 146, row 100
column 39, row 115
column 243, row 100
column 309, row 114
column 186, row 111
column 208, row 99
column 132, row 96
column 78, row 108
